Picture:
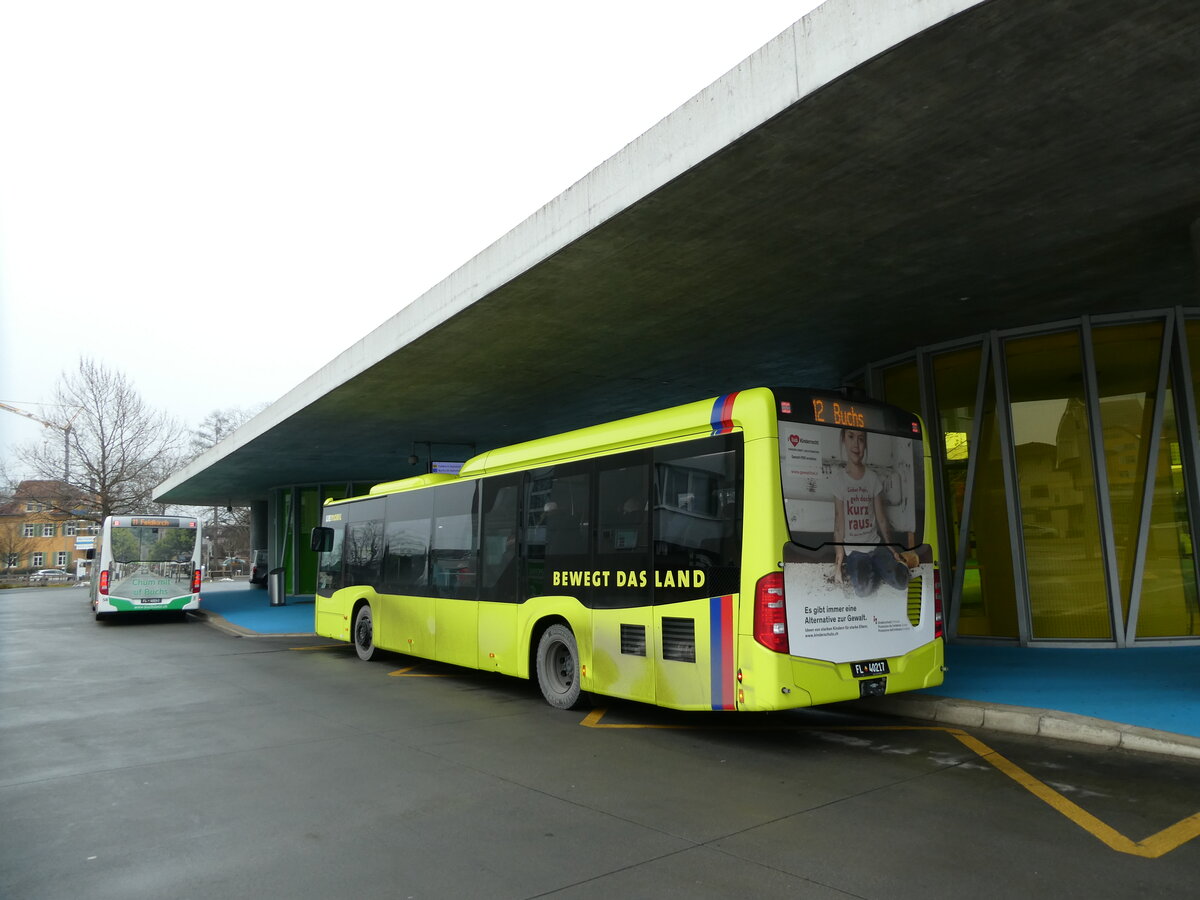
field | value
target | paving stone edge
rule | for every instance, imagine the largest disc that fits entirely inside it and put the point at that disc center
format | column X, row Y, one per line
column 1050, row 723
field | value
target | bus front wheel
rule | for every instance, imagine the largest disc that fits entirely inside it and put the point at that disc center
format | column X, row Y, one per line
column 364, row 633
column 558, row 667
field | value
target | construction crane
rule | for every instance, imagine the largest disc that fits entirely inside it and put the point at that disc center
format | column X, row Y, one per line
column 65, row 429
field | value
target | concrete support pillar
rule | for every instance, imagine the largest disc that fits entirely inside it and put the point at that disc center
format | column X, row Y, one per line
column 259, row 517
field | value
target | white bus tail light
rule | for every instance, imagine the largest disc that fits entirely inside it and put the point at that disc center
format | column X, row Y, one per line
column 195, row 581
column 104, row 582
column 770, row 613
column 939, row 625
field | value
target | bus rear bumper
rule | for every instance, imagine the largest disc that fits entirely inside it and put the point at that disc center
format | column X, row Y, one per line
column 768, row 683
column 829, row 682
column 105, row 606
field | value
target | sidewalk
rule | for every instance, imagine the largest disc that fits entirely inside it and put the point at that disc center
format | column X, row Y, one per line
column 1145, row 699
column 243, row 609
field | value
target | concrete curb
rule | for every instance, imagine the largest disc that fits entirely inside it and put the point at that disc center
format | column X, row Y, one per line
column 1034, row 722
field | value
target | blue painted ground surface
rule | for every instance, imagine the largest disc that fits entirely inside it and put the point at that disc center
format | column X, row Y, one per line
column 248, row 606
column 1154, row 687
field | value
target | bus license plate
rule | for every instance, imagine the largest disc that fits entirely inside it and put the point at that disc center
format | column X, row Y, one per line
column 156, row 601
column 869, row 669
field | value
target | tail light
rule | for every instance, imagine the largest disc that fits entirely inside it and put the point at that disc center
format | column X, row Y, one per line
column 195, row 581
column 770, row 615
column 104, row 582
column 939, row 625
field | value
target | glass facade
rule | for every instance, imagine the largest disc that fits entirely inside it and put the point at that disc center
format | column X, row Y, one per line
column 1056, row 487
column 1067, row 471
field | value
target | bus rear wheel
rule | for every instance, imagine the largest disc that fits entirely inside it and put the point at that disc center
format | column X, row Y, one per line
column 558, row 667
column 364, row 633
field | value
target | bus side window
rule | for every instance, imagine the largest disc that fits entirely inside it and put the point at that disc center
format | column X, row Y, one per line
column 556, row 539
column 406, row 555
column 498, row 563
column 623, row 533
column 454, row 556
column 697, row 510
column 329, row 563
column 364, row 552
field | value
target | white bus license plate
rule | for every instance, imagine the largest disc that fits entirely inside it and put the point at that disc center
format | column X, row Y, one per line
column 156, row 601
column 869, row 669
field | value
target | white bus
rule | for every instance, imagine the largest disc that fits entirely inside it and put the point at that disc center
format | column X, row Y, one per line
column 146, row 563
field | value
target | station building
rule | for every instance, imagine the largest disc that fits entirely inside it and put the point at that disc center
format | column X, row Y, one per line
column 984, row 211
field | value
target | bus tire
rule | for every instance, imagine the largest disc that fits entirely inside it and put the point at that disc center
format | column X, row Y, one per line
column 364, row 633
column 558, row 667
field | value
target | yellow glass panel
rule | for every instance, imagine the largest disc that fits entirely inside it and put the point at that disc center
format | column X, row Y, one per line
column 1068, row 596
column 1127, row 361
column 1168, row 604
column 987, row 606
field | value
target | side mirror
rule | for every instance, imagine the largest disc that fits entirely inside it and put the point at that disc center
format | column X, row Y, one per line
column 322, row 539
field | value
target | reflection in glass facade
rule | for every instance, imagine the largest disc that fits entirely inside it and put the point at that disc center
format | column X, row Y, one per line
column 1067, row 466
column 1127, row 363
column 1056, row 486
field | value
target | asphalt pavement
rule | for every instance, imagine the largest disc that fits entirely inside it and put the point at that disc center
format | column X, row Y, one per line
column 152, row 756
column 1144, row 698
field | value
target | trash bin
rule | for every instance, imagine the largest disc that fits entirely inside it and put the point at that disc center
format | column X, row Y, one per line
column 275, row 589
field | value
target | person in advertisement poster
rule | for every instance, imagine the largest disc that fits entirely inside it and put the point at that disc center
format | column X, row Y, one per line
column 860, row 520
column 855, row 511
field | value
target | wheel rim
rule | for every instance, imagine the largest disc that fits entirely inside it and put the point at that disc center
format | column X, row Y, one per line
column 362, row 631
column 560, row 667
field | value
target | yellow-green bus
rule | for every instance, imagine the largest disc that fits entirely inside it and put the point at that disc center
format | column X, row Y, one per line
column 762, row 550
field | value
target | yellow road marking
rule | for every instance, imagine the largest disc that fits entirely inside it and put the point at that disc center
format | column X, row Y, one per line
column 1152, row 847
column 408, row 672
column 321, row 647
column 592, row 720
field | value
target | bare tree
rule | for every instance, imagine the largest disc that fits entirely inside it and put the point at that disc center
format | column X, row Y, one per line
column 14, row 546
column 218, row 425
column 117, row 449
column 231, row 524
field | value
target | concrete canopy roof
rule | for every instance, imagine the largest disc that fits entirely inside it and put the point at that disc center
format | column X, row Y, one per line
column 878, row 177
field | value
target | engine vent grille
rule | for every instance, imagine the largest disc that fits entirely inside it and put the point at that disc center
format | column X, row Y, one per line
column 633, row 640
column 914, row 601
column 679, row 639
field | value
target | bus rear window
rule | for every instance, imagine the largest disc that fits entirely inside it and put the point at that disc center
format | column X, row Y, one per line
column 145, row 543
column 827, row 467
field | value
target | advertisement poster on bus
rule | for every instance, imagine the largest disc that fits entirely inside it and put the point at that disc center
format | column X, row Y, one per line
column 858, row 577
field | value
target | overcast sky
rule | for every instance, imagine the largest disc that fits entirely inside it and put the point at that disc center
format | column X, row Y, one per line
column 217, row 198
